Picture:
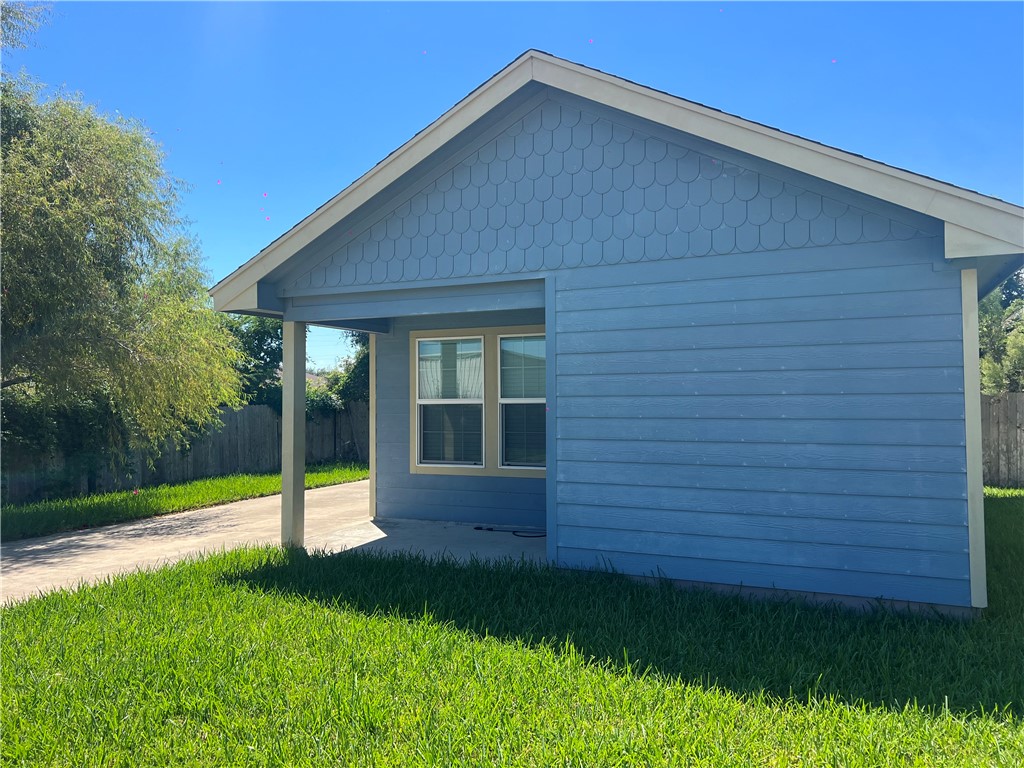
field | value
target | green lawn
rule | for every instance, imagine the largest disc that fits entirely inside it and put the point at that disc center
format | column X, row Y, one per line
column 39, row 519
column 260, row 657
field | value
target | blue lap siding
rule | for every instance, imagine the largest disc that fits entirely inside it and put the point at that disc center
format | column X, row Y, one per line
column 803, row 431
column 756, row 376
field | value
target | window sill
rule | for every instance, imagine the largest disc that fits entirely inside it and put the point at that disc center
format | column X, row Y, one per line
column 468, row 470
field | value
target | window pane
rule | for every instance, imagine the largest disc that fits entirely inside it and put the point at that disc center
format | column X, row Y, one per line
column 523, row 443
column 451, row 370
column 522, row 366
column 451, row 434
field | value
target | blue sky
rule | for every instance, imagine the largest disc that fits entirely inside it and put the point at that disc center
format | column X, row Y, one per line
column 267, row 110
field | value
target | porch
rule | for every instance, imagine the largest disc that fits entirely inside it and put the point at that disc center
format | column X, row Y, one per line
column 494, row 486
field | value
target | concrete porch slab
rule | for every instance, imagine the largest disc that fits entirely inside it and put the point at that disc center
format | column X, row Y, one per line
column 462, row 541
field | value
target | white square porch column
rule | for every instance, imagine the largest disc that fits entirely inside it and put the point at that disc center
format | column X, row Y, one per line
column 293, row 435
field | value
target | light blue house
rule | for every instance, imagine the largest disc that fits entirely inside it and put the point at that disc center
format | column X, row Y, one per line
column 683, row 343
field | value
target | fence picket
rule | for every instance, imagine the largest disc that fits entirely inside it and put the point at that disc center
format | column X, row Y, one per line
column 249, row 441
column 1002, row 436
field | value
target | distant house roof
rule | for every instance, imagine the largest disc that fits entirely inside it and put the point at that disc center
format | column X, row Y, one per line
column 976, row 225
column 312, row 379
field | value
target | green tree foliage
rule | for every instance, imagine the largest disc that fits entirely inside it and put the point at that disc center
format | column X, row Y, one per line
column 1012, row 289
column 18, row 21
column 103, row 299
column 356, row 383
column 261, row 342
column 350, row 382
column 321, row 397
column 1001, row 341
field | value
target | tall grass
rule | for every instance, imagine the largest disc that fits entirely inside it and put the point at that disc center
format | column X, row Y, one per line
column 45, row 517
column 1004, row 493
column 264, row 657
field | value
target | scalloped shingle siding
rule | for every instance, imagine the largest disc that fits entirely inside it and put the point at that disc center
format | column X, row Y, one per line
column 563, row 187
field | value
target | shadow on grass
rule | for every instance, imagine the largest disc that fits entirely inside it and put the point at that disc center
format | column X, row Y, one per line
column 46, row 518
column 787, row 649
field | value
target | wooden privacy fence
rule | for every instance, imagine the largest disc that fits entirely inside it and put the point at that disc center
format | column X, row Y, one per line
column 250, row 441
column 1002, row 439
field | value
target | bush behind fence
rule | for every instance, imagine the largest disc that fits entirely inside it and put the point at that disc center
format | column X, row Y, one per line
column 249, row 441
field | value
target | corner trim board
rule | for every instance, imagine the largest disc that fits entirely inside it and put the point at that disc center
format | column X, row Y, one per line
column 551, row 424
column 972, row 425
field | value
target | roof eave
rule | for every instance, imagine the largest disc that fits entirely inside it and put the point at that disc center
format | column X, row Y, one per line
column 992, row 218
column 976, row 225
column 474, row 106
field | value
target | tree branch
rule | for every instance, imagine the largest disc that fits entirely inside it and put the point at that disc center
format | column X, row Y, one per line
column 15, row 380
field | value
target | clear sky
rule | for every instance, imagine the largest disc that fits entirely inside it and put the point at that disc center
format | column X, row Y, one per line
column 270, row 109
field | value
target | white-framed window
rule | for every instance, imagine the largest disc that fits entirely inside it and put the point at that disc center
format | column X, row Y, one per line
column 450, row 400
column 521, row 400
column 478, row 404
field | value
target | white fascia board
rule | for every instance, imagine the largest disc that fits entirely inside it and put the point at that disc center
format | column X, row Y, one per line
column 253, row 298
column 990, row 218
column 246, row 299
column 963, row 243
column 404, row 159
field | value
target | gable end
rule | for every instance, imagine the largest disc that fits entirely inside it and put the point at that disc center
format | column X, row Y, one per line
column 566, row 186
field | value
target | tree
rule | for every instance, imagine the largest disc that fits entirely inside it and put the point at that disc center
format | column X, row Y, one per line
column 18, row 21
column 352, row 382
column 103, row 297
column 1012, row 289
column 1001, row 343
column 260, row 340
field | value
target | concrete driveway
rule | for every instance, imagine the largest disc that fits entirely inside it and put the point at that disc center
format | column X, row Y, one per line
column 337, row 519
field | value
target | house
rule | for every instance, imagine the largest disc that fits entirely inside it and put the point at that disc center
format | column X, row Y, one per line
column 681, row 342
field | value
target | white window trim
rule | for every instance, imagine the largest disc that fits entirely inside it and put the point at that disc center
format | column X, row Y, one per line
column 514, row 401
column 450, row 401
column 491, row 405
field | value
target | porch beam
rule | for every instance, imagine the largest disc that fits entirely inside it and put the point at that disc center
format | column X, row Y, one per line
column 293, row 435
column 382, row 325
